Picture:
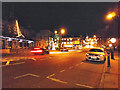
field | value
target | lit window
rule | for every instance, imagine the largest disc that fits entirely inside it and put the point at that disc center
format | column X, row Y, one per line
column 67, row 39
column 70, row 42
column 67, row 42
column 64, row 42
column 70, row 38
column 55, row 39
column 64, row 38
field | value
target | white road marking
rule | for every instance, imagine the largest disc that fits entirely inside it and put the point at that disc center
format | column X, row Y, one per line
column 84, row 86
column 62, row 70
column 26, row 75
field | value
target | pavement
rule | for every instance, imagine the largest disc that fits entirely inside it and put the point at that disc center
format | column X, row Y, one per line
column 110, row 76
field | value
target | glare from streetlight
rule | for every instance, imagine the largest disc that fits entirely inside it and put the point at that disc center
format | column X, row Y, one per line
column 110, row 15
column 62, row 31
column 94, row 36
column 55, row 31
column 113, row 40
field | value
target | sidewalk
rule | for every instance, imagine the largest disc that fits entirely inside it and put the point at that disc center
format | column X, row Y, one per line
column 110, row 74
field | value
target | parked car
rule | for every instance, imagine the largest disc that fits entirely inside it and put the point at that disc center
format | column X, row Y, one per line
column 64, row 50
column 39, row 51
column 96, row 54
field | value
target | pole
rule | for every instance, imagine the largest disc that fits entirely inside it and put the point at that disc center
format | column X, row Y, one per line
column 108, row 59
column 59, row 41
column 112, row 53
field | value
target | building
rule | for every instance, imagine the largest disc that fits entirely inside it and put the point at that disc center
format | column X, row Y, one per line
column 43, row 39
column 71, row 42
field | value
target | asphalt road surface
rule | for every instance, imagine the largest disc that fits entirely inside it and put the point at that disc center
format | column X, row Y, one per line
column 60, row 70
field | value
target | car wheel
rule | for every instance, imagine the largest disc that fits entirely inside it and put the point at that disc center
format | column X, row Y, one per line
column 86, row 59
column 105, row 59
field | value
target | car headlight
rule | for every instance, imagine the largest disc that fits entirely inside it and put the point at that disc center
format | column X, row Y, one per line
column 87, row 54
column 101, row 55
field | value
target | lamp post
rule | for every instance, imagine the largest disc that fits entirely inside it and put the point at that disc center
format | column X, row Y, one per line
column 62, row 31
column 109, row 17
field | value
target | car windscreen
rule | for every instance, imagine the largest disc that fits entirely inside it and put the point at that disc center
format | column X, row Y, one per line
column 95, row 50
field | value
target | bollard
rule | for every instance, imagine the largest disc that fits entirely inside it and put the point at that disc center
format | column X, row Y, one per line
column 112, row 55
column 108, row 59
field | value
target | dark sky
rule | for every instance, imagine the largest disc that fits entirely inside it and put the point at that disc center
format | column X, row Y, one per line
column 78, row 18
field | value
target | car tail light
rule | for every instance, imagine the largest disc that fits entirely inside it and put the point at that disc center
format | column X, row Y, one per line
column 39, row 51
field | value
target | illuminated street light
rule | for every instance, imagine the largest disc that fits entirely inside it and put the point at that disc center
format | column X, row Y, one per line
column 94, row 36
column 62, row 31
column 55, row 31
column 110, row 45
column 110, row 15
column 113, row 40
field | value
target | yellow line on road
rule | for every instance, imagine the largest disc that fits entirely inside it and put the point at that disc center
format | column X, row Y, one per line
column 57, row 80
column 26, row 75
column 77, row 65
column 50, row 76
column 21, row 76
column 13, row 64
column 34, row 59
column 81, row 62
column 84, row 85
column 71, row 67
column 34, row 75
column 7, row 62
column 62, row 70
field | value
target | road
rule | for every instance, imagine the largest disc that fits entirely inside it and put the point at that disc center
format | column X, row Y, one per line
column 60, row 70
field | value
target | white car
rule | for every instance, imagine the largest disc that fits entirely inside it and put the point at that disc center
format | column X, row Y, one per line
column 96, row 54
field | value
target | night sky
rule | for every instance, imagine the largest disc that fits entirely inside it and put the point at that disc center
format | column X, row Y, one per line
column 77, row 18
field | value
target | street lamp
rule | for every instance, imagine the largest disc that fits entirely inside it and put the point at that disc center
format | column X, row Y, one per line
column 55, row 32
column 110, row 16
column 62, row 31
column 113, row 40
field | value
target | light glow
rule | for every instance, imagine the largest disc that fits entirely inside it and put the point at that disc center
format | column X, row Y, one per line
column 62, row 31
column 36, row 48
column 110, row 45
column 113, row 40
column 55, row 31
column 18, row 30
column 110, row 15
column 37, row 51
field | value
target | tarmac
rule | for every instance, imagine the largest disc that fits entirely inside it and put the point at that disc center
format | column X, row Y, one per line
column 110, row 77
